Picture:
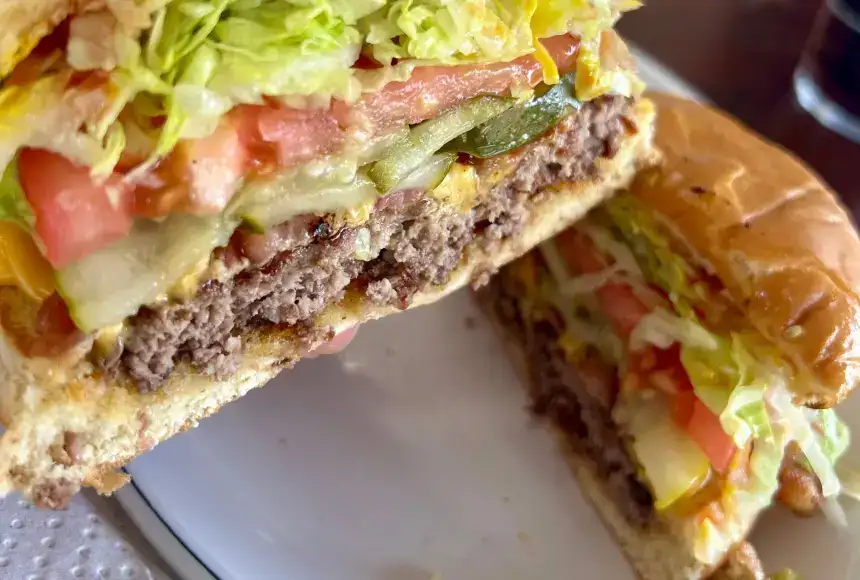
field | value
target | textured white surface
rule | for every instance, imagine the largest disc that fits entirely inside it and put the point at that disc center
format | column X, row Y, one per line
column 75, row 543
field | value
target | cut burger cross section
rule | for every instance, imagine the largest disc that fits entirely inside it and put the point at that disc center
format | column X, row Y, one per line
column 415, row 241
column 687, row 352
column 195, row 194
column 643, row 400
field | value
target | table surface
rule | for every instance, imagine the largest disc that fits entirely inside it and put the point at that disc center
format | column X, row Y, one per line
column 741, row 54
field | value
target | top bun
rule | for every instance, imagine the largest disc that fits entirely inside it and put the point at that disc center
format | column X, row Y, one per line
column 777, row 237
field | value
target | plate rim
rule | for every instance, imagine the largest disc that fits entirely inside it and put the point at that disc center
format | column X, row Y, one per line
column 181, row 559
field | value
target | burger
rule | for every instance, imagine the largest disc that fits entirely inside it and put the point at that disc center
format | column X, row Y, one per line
column 687, row 341
column 196, row 193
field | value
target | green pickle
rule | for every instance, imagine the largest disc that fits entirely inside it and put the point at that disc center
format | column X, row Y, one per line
column 520, row 124
column 427, row 138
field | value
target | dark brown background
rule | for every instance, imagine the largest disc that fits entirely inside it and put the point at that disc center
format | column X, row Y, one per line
column 742, row 54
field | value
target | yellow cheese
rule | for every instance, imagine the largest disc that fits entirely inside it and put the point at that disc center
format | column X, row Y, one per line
column 22, row 264
column 459, row 188
column 107, row 338
column 550, row 70
column 187, row 286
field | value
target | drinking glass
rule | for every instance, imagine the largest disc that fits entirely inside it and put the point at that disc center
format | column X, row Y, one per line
column 827, row 80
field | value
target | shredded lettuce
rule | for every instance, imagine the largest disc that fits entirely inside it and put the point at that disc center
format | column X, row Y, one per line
column 113, row 147
column 452, row 32
column 181, row 64
column 13, row 203
column 621, row 255
column 833, row 434
column 652, row 249
column 796, row 426
column 559, row 292
column 732, row 383
column 662, row 329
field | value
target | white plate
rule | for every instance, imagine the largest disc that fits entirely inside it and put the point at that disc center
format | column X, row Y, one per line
column 408, row 455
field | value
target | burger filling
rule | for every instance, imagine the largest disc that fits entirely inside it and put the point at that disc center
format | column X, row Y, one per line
column 649, row 368
column 177, row 172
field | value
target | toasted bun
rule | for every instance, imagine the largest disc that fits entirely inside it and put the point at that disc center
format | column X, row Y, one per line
column 777, row 237
column 658, row 552
column 65, row 429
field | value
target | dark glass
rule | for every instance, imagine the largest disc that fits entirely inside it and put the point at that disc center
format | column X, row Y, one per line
column 828, row 78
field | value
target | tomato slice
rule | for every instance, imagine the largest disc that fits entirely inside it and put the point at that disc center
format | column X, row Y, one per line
column 210, row 168
column 433, row 89
column 74, row 215
column 683, row 406
column 286, row 136
column 618, row 302
column 579, row 252
column 705, row 429
column 622, row 307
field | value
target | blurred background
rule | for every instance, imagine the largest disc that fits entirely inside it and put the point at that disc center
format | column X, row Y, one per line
column 743, row 54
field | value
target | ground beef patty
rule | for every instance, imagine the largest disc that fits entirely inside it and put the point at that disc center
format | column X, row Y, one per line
column 559, row 392
column 419, row 241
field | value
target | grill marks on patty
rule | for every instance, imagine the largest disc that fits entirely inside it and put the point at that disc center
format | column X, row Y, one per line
column 420, row 242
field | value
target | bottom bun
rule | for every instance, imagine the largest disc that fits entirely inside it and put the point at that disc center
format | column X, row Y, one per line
column 67, row 428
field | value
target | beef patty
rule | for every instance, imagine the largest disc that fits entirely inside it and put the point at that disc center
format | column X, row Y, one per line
column 560, row 393
column 419, row 242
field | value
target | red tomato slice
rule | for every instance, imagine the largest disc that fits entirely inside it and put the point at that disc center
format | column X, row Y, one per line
column 210, row 168
column 622, row 307
column 274, row 136
column 617, row 300
column 200, row 176
column 438, row 88
column 297, row 135
column 74, row 215
column 683, row 407
column 579, row 252
column 705, row 429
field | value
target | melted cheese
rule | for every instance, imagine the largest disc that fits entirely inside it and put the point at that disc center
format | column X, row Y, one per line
column 22, row 264
column 459, row 188
column 550, row 70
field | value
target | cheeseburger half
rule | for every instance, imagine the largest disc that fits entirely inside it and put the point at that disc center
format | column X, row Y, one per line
column 196, row 193
column 687, row 339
